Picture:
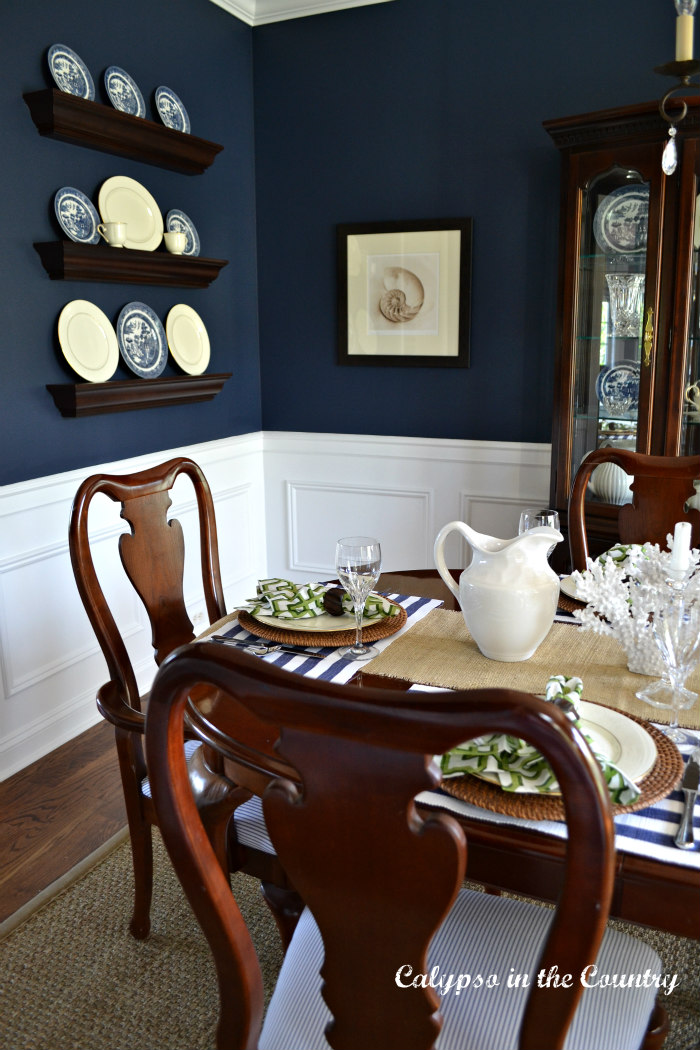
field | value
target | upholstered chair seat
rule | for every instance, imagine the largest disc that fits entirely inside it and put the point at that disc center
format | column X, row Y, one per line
column 482, row 936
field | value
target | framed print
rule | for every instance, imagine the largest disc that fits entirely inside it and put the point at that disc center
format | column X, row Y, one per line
column 404, row 293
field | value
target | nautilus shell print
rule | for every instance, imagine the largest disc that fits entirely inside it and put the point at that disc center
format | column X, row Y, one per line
column 404, row 295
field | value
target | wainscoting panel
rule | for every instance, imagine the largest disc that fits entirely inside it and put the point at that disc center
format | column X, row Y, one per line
column 282, row 500
column 319, row 514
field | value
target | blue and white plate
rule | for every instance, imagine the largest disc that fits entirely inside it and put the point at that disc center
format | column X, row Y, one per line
column 70, row 72
column 621, row 221
column 142, row 341
column 77, row 215
column 123, row 92
column 171, row 110
column 619, row 386
column 177, row 222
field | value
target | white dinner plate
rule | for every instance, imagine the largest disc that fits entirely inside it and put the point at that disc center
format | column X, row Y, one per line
column 123, row 92
column 141, row 339
column 325, row 623
column 88, row 341
column 122, row 199
column 70, row 72
column 188, row 339
column 614, row 736
column 171, row 110
column 568, row 587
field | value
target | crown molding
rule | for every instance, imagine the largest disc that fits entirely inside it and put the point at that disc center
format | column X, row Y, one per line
column 261, row 12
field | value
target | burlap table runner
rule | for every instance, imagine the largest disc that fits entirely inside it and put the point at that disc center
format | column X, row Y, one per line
column 439, row 651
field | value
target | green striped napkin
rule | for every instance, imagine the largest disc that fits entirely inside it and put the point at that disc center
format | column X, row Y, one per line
column 519, row 766
column 298, row 601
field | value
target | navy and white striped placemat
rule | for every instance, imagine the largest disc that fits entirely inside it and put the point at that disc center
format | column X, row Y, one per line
column 648, row 833
column 334, row 668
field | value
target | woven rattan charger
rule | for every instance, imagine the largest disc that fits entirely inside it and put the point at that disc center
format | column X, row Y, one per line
column 373, row 632
column 661, row 779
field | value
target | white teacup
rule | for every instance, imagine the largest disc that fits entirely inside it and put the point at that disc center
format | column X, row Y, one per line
column 175, row 241
column 113, row 232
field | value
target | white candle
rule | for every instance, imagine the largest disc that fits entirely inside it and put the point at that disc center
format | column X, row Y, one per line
column 680, row 555
column 684, row 38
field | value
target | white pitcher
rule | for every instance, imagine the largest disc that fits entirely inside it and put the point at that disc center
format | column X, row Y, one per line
column 509, row 593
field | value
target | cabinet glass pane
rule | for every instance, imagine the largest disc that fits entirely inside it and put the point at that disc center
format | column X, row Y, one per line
column 609, row 313
column 690, row 432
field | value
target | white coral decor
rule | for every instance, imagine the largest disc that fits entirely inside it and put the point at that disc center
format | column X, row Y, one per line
column 623, row 588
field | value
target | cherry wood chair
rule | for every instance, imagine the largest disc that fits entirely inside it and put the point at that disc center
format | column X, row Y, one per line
column 152, row 555
column 661, row 486
column 386, row 912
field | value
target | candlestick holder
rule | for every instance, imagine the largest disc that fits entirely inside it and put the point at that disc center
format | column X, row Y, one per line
column 672, row 628
column 676, row 630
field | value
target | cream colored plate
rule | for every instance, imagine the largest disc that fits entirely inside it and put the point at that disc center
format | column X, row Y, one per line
column 325, row 623
column 188, row 339
column 88, row 341
column 568, row 587
column 122, row 199
column 614, row 736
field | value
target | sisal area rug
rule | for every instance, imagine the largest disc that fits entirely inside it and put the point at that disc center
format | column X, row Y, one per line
column 73, row 978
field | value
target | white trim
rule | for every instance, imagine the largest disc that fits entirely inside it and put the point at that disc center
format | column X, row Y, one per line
column 262, row 12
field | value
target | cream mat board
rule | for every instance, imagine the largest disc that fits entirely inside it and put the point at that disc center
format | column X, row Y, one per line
column 440, row 651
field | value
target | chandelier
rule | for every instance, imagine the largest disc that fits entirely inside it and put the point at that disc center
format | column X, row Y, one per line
column 683, row 67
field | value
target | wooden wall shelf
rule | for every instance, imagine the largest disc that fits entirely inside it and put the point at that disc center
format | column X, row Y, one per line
column 91, row 399
column 59, row 115
column 69, row 261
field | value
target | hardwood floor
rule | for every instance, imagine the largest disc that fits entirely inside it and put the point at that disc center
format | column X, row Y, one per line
column 56, row 812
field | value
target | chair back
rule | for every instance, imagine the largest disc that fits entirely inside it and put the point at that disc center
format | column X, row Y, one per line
column 378, row 874
column 153, row 557
column 661, row 487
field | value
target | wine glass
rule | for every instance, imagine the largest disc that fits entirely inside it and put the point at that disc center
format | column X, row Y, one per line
column 533, row 517
column 358, row 562
column 676, row 629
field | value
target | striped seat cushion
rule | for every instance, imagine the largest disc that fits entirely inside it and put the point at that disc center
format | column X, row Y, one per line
column 484, row 935
column 248, row 818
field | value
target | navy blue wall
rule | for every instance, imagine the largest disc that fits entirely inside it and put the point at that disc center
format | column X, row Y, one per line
column 205, row 55
column 427, row 109
column 410, row 109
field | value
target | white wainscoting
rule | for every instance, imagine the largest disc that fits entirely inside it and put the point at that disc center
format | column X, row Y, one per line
column 319, row 487
column 51, row 665
column 281, row 500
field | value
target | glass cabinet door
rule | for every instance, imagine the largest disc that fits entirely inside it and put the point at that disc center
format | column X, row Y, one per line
column 690, row 419
column 609, row 315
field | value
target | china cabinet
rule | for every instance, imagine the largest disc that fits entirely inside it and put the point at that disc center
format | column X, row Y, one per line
column 628, row 343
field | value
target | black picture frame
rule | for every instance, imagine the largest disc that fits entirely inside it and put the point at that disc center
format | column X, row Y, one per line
column 404, row 293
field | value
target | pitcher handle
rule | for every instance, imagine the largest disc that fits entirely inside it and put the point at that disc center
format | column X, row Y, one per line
column 438, row 553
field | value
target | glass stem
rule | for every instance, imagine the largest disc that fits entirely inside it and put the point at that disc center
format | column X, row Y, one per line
column 359, row 607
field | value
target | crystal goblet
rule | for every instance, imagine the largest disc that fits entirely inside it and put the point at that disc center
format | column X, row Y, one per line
column 358, row 562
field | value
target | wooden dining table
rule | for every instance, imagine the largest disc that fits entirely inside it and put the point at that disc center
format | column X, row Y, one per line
column 525, row 860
